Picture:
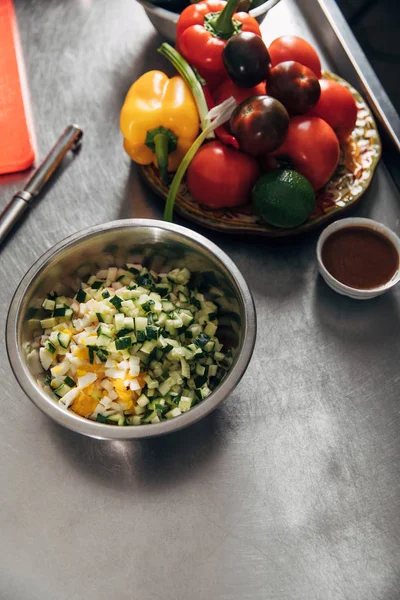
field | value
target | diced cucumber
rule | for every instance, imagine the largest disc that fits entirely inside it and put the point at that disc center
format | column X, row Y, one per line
column 171, row 414
column 200, row 370
column 62, row 390
column 50, row 347
column 103, row 340
column 210, row 329
column 209, row 347
column 64, row 339
column 185, row 403
column 48, row 323
column 149, row 416
column 148, row 347
column 185, row 369
column 46, row 358
column 142, row 400
column 140, row 323
column 49, row 304
column 167, row 306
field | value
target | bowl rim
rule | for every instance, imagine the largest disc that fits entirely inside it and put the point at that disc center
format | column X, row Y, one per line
column 173, row 16
column 103, row 431
column 338, row 286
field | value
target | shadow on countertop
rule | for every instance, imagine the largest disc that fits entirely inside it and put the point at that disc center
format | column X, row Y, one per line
column 148, row 464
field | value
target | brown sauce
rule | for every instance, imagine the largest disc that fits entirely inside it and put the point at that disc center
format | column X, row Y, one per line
column 360, row 257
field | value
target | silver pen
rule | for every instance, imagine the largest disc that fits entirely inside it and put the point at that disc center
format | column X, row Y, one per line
column 22, row 200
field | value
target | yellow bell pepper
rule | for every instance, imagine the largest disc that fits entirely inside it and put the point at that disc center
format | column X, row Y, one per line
column 159, row 121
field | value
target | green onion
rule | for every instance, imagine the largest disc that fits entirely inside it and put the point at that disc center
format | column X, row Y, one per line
column 186, row 71
column 216, row 116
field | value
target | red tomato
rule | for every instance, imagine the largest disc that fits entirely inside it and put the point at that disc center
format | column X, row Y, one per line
column 295, row 86
column 291, row 47
column 312, row 148
column 220, row 176
column 228, row 88
column 337, row 107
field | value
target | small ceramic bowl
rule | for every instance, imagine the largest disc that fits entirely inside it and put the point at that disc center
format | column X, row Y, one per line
column 341, row 288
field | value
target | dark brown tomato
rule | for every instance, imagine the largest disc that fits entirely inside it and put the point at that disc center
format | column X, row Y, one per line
column 246, row 59
column 260, row 124
column 295, row 85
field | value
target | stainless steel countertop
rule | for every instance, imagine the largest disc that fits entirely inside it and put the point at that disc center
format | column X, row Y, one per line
column 290, row 490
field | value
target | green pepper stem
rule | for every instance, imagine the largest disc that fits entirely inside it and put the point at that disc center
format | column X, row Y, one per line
column 223, row 24
column 187, row 73
column 161, row 143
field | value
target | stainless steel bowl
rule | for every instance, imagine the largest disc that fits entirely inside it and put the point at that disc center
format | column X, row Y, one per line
column 165, row 20
column 157, row 245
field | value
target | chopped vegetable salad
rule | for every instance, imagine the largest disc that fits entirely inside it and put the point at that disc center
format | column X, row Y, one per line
column 132, row 346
